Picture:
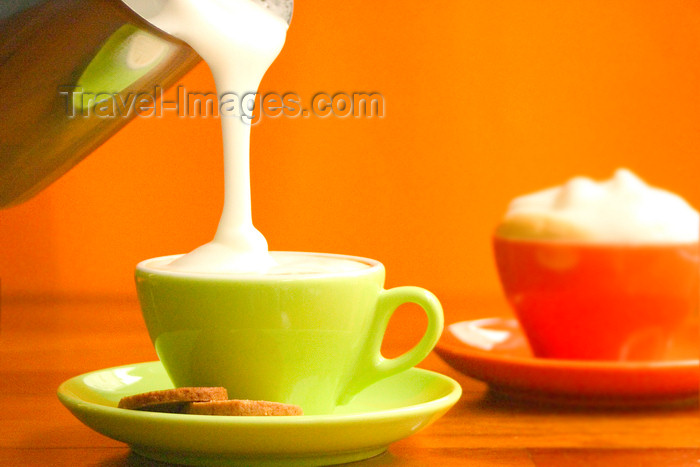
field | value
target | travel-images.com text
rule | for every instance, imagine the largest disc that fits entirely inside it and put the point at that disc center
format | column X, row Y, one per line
column 250, row 107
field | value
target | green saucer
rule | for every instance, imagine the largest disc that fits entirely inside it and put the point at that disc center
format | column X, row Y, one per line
column 387, row 411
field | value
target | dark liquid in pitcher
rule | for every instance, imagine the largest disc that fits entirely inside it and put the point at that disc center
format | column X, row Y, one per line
column 58, row 60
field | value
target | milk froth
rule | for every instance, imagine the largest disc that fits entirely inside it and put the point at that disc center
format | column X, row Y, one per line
column 623, row 209
column 239, row 40
column 286, row 264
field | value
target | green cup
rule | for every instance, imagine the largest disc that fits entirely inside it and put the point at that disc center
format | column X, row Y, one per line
column 307, row 339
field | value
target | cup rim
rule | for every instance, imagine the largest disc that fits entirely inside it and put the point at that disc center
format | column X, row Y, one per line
column 591, row 244
column 373, row 264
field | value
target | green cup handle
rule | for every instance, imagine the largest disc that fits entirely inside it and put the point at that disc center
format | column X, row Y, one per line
column 372, row 365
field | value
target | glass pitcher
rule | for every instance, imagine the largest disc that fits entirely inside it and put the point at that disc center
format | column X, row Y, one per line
column 59, row 61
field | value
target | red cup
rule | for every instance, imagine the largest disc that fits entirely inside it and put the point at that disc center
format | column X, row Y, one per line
column 599, row 302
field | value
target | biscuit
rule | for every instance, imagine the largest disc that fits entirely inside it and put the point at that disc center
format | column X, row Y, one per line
column 172, row 400
column 242, row 408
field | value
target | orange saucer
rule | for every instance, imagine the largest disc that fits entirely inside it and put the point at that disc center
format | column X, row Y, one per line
column 494, row 350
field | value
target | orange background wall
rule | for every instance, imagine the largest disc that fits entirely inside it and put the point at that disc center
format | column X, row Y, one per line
column 485, row 100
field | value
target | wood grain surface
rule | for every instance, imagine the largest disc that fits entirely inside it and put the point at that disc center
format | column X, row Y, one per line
column 46, row 341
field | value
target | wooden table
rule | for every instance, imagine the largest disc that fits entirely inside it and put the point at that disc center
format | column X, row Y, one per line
column 46, row 341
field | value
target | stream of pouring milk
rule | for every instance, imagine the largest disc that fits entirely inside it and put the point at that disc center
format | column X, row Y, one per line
column 239, row 40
